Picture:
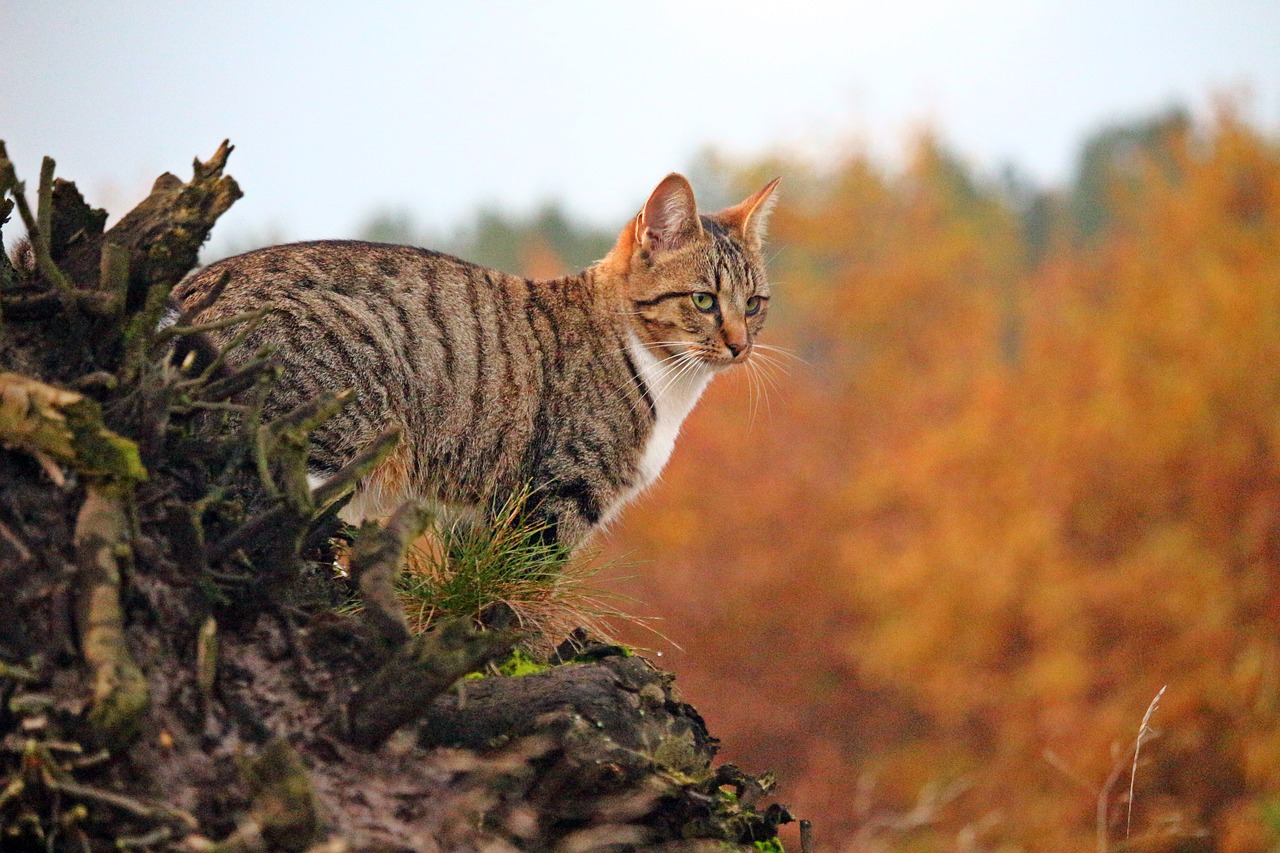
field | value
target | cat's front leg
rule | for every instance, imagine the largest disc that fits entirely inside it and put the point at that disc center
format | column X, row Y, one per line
column 567, row 513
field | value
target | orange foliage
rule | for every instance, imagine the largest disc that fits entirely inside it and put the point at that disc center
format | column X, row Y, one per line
column 1001, row 505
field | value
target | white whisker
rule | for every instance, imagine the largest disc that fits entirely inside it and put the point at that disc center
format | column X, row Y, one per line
column 766, row 359
column 766, row 371
column 753, row 395
column 783, row 351
column 767, row 381
column 645, row 385
column 672, row 375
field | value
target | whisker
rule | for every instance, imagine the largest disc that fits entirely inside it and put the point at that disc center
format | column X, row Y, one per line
column 766, row 382
column 764, row 370
column 673, row 375
column 655, row 344
column 657, row 379
column 767, row 373
column 780, row 351
column 639, row 381
column 753, row 395
column 772, row 361
column 771, row 370
column 687, row 366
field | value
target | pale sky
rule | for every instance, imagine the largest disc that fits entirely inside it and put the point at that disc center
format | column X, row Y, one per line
column 339, row 109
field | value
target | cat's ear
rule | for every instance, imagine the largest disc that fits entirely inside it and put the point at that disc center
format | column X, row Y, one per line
column 669, row 219
column 750, row 217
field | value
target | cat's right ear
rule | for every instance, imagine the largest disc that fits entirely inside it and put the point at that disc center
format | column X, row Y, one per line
column 669, row 219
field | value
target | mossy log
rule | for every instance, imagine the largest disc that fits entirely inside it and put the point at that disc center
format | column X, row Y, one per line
column 167, row 229
column 64, row 428
column 623, row 697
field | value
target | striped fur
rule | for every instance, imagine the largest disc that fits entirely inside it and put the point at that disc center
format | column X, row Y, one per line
column 574, row 386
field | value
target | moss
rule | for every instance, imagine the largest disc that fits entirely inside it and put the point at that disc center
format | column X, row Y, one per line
column 680, row 754
column 521, row 664
column 517, row 665
column 98, row 450
column 43, row 419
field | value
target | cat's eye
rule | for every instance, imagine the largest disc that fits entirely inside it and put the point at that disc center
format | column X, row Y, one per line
column 703, row 301
column 754, row 304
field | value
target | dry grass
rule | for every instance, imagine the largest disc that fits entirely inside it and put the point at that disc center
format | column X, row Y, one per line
column 469, row 570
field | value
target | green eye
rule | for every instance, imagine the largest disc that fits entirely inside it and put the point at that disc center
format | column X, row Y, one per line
column 753, row 305
column 704, row 302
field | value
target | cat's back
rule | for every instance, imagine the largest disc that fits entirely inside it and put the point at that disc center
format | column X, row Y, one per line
column 356, row 297
column 424, row 339
column 288, row 273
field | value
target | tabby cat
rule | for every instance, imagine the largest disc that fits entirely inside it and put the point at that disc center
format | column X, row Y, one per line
column 575, row 387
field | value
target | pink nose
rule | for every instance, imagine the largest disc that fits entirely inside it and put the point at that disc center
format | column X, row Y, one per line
column 735, row 338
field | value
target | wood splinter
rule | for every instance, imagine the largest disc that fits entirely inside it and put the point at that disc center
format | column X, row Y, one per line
column 376, row 558
column 119, row 688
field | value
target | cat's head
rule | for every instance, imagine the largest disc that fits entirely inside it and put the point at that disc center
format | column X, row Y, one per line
column 693, row 283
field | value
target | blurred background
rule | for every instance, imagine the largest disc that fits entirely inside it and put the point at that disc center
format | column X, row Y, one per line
column 1022, row 467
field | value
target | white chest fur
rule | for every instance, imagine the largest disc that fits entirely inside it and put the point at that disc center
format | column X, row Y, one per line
column 675, row 386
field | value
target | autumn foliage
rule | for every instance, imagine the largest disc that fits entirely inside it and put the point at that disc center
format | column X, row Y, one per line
column 1027, row 473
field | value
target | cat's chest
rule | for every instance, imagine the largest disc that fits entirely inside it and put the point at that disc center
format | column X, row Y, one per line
column 674, row 386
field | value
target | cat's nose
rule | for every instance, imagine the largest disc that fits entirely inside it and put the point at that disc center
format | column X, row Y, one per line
column 735, row 338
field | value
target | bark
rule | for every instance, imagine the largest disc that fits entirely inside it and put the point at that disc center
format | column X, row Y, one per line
column 402, row 690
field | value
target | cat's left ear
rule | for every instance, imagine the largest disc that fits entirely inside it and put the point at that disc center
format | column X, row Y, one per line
column 750, row 218
column 669, row 219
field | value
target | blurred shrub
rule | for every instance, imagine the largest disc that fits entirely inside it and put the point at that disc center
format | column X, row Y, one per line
column 1014, row 490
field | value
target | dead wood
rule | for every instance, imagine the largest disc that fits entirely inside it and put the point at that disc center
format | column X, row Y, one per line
column 402, row 690
column 622, row 697
column 376, row 558
column 101, row 545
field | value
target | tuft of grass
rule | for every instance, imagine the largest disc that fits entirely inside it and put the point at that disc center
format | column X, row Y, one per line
column 468, row 570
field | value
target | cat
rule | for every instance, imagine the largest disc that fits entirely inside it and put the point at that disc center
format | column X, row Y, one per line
column 573, row 388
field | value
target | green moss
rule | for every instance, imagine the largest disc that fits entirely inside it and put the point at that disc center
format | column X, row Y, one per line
column 678, row 753
column 66, row 426
column 98, row 450
column 521, row 664
column 513, row 667
column 772, row 845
